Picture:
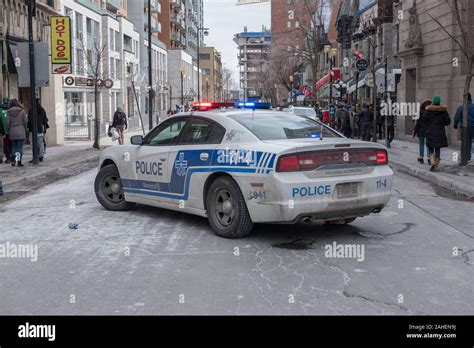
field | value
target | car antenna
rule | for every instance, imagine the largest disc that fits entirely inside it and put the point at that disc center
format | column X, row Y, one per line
column 321, row 135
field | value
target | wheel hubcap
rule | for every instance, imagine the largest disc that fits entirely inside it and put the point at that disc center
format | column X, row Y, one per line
column 225, row 210
column 112, row 189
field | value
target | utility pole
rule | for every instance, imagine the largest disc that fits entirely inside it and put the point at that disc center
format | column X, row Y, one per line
column 182, row 86
column 386, row 100
column 31, row 14
column 374, row 96
column 150, row 77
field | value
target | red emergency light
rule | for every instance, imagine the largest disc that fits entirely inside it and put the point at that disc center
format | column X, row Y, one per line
column 203, row 106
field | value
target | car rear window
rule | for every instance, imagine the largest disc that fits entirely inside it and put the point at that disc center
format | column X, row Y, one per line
column 283, row 126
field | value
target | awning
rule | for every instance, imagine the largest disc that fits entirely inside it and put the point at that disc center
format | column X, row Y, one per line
column 336, row 75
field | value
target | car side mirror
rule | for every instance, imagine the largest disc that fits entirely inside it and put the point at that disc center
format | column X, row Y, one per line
column 137, row 140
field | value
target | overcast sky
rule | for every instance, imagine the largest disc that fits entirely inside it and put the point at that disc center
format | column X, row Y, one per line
column 225, row 19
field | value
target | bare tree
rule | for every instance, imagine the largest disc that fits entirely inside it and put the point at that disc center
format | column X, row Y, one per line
column 95, row 57
column 311, row 19
column 462, row 41
column 227, row 81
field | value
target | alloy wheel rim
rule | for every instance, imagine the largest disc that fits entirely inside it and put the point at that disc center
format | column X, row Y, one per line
column 225, row 208
column 112, row 189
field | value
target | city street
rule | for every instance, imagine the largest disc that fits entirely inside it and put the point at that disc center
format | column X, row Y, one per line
column 419, row 259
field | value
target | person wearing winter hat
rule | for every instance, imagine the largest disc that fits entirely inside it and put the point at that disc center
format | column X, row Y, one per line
column 436, row 118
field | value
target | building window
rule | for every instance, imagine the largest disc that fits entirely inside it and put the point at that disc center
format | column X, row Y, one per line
column 289, row 24
column 297, row 24
column 79, row 61
column 204, row 56
column 111, row 39
column 79, row 26
column 206, row 71
column 112, row 69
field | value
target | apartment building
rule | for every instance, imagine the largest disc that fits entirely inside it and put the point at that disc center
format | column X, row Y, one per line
column 14, row 30
column 254, row 54
column 100, row 26
column 211, row 67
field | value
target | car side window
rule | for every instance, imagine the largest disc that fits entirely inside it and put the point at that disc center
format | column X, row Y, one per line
column 166, row 134
column 200, row 131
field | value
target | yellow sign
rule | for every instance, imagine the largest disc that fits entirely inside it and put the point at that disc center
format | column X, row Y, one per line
column 61, row 40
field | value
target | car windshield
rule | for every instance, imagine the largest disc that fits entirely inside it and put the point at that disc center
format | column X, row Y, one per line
column 304, row 112
column 283, row 126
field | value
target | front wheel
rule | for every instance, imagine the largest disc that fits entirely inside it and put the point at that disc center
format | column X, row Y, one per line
column 109, row 190
column 226, row 209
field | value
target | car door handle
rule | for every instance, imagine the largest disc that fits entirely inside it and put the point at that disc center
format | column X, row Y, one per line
column 162, row 159
column 204, row 156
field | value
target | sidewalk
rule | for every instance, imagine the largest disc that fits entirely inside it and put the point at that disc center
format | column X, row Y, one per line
column 459, row 180
column 72, row 158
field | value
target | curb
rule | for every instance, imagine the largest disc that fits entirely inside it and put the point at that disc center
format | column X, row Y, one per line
column 434, row 178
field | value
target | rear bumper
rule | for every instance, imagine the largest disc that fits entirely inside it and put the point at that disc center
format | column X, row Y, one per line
column 298, row 197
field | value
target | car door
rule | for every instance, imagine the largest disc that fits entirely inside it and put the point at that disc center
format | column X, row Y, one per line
column 190, row 160
column 150, row 160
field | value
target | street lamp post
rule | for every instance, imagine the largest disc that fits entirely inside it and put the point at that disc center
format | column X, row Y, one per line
column 31, row 14
column 150, row 74
column 182, row 86
column 291, row 92
column 205, row 32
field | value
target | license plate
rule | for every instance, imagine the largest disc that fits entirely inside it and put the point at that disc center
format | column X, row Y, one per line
column 349, row 190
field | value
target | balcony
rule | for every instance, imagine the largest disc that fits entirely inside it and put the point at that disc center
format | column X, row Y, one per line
column 178, row 22
column 177, row 5
column 155, row 6
column 114, row 4
column 155, row 25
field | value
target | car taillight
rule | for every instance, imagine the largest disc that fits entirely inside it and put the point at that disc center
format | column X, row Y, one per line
column 288, row 164
column 313, row 160
column 382, row 158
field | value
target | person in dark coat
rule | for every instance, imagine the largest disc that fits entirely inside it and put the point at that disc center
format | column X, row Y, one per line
column 366, row 117
column 17, row 121
column 420, row 132
column 436, row 118
column 42, row 123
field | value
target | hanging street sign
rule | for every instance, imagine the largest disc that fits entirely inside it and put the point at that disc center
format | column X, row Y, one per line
column 362, row 65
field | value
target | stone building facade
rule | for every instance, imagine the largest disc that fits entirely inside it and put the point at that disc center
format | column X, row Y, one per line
column 432, row 63
column 13, row 30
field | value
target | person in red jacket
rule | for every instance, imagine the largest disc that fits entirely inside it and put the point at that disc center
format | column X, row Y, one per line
column 326, row 117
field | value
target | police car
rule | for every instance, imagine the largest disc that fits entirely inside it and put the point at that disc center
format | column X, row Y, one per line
column 239, row 167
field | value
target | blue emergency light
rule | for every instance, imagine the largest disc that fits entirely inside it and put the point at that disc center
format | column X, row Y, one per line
column 253, row 105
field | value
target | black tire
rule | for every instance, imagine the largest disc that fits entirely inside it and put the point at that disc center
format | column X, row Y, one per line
column 109, row 191
column 340, row 222
column 226, row 209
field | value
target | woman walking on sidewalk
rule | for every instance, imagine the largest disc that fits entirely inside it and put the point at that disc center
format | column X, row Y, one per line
column 420, row 132
column 436, row 118
column 17, row 121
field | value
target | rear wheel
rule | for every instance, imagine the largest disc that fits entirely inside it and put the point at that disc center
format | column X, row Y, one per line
column 109, row 190
column 226, row 209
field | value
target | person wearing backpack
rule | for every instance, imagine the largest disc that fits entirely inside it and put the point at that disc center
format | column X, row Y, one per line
column 120, row 124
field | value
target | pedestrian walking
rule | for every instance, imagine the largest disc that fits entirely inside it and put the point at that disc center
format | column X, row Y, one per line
column 42, row 121
column 326, row 117
column 436, row 118
column 2, row 134
column 7, row 144
column 458, row 123
column 17, row 121
column 420, row 132
column 346, row 122
column 366, row 117
column 120, row 124
column 356, row 125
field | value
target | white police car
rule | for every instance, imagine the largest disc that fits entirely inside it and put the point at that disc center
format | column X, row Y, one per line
column 240, row 167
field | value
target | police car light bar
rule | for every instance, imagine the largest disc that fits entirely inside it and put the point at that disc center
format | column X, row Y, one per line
column 253, row 105
column 203, row 106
